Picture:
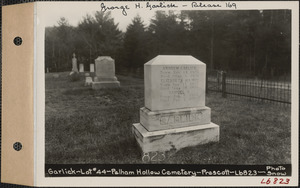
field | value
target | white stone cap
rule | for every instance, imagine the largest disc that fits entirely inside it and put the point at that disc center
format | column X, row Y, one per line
column 174, row 60
column 99, row 58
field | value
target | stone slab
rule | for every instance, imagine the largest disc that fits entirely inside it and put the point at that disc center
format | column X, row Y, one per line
column 106, row 84
column 166, row 140
column 105, row 66
column 88, row 81
column 81, row 68
column 74, row 63
column 174, row 82
column 100, row 79
column 92, row 68
column 168, row 119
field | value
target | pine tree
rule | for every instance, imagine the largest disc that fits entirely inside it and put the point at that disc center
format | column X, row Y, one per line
column 168, row 34
column 135, row 47
column 99, row 36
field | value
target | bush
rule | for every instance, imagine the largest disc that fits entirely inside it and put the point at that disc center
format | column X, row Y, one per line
column 74, row 76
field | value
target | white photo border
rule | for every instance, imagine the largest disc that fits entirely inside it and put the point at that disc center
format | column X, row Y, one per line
column 43, row 8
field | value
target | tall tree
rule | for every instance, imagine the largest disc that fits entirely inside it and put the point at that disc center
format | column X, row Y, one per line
column 60, row 44
column 135, row 44
column 168, row 33
column 99, row 36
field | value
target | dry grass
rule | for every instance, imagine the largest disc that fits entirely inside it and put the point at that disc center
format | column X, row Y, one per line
column 87, row 126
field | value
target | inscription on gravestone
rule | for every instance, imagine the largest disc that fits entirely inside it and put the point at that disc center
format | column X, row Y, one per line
column 179, row 84
column 165, row 120
column 174, row 82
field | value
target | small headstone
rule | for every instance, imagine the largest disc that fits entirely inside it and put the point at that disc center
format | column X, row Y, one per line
column 92, row 68
column 175, row 115
column 105, row 73
column 88, row 81
column 74, row 63
column 81, row 67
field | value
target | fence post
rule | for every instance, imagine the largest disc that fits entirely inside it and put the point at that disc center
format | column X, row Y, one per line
column 224, row 85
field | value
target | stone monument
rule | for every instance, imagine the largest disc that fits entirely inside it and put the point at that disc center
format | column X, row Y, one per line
column 88, row 81
column 81, row 67
column 92, row 67
column 74, row 63
column 175, row 115
column 105, row 73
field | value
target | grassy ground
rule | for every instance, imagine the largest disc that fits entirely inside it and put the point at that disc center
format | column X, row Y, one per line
column 87, row 126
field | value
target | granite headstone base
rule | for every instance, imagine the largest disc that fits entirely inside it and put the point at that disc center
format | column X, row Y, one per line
column 178, row 138
column 169, row 119
column 106, row 84
column 102, row 82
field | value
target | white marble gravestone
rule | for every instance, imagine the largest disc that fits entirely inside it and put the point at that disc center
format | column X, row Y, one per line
column 74, row 63
column 175, row 115
column 105, row 73
column 88, row 81
column 81, row 67
column 92, row 68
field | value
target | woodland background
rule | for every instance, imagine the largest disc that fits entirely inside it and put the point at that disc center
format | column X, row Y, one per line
column 252, row 42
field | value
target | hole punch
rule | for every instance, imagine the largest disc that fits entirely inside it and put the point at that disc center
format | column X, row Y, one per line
column 18, row 41
column 17, row 146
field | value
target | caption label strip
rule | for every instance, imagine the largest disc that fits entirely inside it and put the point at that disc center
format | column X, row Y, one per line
column 75, row 170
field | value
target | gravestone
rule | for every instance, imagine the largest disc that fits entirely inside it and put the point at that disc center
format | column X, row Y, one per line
column 92, row 68
column 88, row 81
column 175, row 115
column 81, row 67
column 105, row 73
column 74, row 63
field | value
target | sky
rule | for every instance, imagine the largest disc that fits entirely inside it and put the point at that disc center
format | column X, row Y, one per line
column 76, row 11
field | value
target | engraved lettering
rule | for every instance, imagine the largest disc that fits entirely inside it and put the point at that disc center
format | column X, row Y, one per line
column 182, row 118
column 179, row 84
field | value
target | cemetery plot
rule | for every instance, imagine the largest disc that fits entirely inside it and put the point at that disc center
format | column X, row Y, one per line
column 94, row 126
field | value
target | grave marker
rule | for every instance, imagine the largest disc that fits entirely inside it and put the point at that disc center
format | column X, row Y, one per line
column 92, row 68
column 88, row 81
column 74, row 63
column 105, row 73
column 175, row 115
column 81, row 67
